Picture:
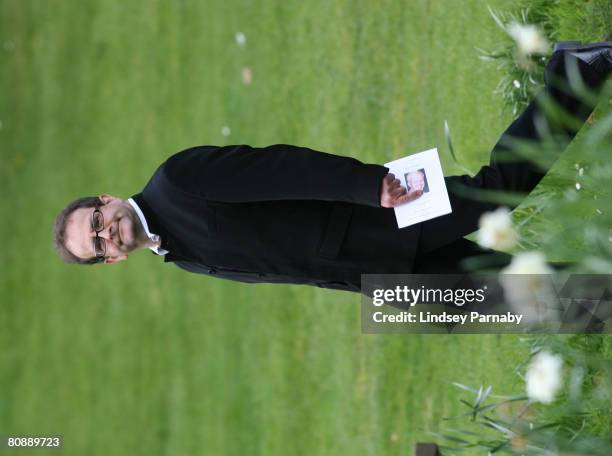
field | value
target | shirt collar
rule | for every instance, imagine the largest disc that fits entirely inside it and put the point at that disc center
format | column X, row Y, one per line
column 152, row 236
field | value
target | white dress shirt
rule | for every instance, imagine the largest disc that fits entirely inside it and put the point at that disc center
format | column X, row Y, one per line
column 153, row 237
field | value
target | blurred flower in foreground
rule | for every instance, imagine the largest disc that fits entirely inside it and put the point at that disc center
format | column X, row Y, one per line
column 240, row 39
column 543, row 379
column 528, row 263
column 529, row 39
column 495, row 230
column 226, row 131
column 247, row 75
column 528, row 288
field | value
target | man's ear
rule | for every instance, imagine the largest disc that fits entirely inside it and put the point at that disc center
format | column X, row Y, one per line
column 106, row 198
column 115, row 259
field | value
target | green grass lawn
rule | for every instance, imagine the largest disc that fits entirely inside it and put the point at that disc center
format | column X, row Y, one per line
column 143, row 358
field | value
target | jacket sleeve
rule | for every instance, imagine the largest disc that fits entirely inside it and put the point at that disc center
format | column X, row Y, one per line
column 280, row 172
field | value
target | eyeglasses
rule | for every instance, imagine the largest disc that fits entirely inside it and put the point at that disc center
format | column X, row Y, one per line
column 99, row 244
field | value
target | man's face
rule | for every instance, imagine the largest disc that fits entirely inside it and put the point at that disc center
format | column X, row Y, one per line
column 122, row 231
column 416, row 180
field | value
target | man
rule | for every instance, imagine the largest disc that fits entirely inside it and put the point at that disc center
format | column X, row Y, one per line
column 288, row 214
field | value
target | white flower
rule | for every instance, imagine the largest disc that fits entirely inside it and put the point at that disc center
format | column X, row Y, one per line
column 528, row 288
column 544, row 377
column 578, row 186
column 240, row 39
column 528, row 263
column 529, row 39
column 495, row 230
column 516, row 83
column 226, row 131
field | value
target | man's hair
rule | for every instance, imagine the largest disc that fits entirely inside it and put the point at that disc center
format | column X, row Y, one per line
column 59, row 229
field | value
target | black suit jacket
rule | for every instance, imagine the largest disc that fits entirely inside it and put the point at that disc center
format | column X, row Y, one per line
column 281, row 214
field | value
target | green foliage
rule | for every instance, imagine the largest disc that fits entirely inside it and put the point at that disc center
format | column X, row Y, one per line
column 587, row 21
column 569, row 214
column 569, row 217
column 519, row 83
column 577, row 422
column 559, row 20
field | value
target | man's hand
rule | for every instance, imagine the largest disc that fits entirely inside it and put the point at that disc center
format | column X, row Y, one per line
column 392, row 194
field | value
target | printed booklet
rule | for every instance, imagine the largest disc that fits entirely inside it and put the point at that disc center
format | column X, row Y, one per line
column 421, row 171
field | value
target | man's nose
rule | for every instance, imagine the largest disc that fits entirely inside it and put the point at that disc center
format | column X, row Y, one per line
column 108, row 232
